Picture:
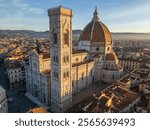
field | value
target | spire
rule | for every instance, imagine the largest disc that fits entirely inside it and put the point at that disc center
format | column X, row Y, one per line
column 95, row 14
column 37, row 47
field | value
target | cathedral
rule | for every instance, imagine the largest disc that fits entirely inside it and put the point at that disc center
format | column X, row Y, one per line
column 53, row 78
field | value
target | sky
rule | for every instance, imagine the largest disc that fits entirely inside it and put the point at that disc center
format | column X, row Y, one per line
column 117, row 15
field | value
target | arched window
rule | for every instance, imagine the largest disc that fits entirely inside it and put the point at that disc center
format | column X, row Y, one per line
column 54, row 74
column 106, row 66
column 73, row 83
column 82, row 76
column 91, row 73
column 68, row 59
column 113, row 77
column 64, row 59
column 112, row 66
column 57, row 59
column 54, row 58
column 57, row 75
column 68, row 74
column 120, row 75
column 108, row 48
column 55, row 38
column 35, row 67
column 77, row 59
column 66, row 38
column 64, row 75
column 103, row 76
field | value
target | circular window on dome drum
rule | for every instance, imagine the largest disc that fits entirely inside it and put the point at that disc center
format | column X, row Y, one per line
column 97, row 49
column 76, row 59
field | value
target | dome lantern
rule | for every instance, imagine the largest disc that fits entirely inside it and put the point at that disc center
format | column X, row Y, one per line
column 95, row 15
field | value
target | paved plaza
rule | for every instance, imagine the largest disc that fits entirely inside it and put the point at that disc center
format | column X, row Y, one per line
column 88, row 91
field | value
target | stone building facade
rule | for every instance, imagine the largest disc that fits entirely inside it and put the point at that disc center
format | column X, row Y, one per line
column 15, row 73
column 129, row 64
column 38, row 78
column 3, row 101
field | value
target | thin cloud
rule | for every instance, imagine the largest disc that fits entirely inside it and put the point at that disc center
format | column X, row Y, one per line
column 18, row 23
column 129, row 19
column 128, row 12
column 26, row 7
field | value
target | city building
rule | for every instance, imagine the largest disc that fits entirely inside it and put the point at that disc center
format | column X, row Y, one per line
column 130, row 64
column 15, row 73
column 3, row 101
column 129, row 94
column 114, row 99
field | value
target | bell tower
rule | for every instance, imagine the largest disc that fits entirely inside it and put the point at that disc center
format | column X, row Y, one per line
column 61, row 52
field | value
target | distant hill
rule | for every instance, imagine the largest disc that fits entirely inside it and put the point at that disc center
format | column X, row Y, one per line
column 131, row 36
column 122, row 36
column 76, row 34
column 28, row 33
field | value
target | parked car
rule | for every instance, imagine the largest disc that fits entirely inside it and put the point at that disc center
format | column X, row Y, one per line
column 22, row 92
column 10, row 100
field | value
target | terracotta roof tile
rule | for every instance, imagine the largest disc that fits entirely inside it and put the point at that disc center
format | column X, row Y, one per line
column 111, row 57
column 96, row 31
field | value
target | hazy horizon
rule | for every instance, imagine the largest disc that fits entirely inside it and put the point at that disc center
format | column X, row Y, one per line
column 76, row 34
column 73, row 30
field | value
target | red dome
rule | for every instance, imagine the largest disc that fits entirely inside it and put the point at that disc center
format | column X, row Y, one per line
column 96, row 31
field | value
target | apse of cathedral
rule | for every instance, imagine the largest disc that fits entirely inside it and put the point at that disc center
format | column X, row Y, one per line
column 96, row 39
